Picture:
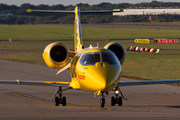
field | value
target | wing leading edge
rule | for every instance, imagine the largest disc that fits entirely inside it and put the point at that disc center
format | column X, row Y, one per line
column 149, row 82
column 38, row 83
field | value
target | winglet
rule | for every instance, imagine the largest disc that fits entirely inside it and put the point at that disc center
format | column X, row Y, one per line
column 29, row 10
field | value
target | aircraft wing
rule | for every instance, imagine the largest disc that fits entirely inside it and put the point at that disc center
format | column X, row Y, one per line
column 146, row 82
column 38, row 83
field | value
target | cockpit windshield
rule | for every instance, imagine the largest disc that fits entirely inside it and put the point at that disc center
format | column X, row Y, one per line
column 110, row 58
column 90, row 59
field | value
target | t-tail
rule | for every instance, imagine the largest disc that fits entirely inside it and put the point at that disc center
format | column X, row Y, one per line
column 78, row 44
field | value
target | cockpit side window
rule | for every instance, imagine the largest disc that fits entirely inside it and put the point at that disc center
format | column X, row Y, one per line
column 90, row 58
column 110, row 58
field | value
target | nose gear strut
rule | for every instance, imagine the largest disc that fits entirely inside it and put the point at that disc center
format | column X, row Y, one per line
column 102, row 100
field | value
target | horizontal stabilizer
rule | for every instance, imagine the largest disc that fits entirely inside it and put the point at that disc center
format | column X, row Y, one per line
column 73, row 12
column 101, row 11
column 50, row 11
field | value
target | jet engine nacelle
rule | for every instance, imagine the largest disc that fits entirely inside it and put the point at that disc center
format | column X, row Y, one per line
column 56, row 55
column 117, row 49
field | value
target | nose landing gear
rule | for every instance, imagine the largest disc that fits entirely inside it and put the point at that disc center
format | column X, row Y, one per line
column 102, row 100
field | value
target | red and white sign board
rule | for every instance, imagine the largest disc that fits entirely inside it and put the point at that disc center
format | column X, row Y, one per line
column 161, row 41
column 167, row 40
column 172, row 40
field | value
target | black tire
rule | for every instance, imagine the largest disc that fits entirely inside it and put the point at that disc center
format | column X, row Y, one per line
column 120, row 101
column 56, row 101
column 64, row 101
column 102, row 102
column 112, row 101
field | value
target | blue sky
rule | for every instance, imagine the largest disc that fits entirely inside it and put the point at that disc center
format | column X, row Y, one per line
column 74, row 2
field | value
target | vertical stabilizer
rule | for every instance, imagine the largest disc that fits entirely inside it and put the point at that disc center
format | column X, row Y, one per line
column 78, row 45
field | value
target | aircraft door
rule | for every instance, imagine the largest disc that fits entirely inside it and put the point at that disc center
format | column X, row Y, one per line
column 73, row 67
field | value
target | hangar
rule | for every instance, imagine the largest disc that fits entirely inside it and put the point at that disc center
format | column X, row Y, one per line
column 148, row 11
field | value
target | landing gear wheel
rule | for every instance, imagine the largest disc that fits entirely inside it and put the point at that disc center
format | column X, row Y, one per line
column 60, row 99
column 56, row 101
column 117, row 99
column 120, row 101
column 112, row 101
column 64, row 101
column 102, row 102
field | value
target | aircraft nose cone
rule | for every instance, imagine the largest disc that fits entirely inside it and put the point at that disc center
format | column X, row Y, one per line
column 102, row 84
column 107, row 79
column 102, row 78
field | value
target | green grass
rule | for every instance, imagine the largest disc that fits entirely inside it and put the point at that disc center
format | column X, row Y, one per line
column 25, row 57
column 20, row 47
column 35, row 32
column 60, row 32
column 152, row 66
column 32, row 46
column 128, row 33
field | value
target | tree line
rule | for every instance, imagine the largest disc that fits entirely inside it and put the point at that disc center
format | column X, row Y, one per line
column 20, row 16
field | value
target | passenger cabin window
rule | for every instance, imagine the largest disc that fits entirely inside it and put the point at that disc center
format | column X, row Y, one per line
column 90, row 58
column 110, row 58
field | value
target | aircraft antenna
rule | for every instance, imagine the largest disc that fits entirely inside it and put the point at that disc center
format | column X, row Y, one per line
column 97, row 45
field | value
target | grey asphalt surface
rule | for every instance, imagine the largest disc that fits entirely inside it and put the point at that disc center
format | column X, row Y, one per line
column 33, row 102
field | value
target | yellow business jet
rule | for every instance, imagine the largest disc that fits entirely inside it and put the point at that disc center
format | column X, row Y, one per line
column 92, row 69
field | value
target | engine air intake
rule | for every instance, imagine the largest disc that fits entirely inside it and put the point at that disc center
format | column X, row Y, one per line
column 56, row 55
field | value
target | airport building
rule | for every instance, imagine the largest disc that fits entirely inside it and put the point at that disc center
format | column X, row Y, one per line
column 148, row 11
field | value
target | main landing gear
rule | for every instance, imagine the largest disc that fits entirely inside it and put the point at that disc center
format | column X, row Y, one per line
column 60, row 99
column 116, row 99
